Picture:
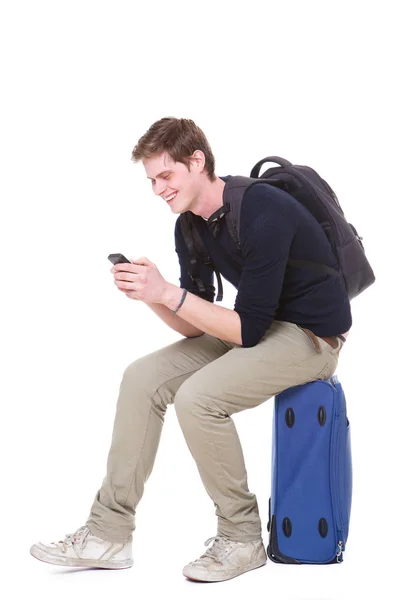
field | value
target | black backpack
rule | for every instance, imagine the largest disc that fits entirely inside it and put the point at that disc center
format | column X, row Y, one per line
column 304, row 184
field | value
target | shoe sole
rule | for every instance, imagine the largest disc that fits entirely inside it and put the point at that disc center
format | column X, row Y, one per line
column 215, row 576
column 78, row 562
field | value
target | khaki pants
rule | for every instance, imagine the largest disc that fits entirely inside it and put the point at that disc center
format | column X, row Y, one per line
column 208, row 380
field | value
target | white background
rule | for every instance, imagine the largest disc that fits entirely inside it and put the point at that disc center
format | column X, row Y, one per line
column 81, row 82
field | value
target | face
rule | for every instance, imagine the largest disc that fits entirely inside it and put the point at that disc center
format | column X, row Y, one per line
column 173, row 181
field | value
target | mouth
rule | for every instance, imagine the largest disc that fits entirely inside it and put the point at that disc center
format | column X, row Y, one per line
column 172, row 199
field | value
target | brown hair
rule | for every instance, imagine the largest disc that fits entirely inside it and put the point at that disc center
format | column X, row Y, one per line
column 180, row 138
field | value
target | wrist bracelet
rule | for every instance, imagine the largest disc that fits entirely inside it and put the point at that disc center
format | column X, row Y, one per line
column 181, row 302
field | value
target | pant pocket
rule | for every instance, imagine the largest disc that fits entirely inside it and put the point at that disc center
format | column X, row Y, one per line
column 310, row 338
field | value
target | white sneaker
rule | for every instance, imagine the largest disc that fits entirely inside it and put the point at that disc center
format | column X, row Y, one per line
column 83, row 549
column 226, row 559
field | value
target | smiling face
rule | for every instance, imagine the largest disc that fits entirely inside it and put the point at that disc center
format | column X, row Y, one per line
column 173, row 181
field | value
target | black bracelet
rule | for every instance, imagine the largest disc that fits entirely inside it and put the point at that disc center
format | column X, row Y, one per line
column 181, row 302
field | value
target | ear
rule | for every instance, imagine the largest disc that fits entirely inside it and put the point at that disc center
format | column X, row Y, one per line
column 198, row 159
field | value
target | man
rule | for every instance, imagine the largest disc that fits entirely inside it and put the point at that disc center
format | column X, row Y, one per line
column 287, row 328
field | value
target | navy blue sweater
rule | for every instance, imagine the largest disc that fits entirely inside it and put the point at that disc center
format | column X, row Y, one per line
column 273, row 227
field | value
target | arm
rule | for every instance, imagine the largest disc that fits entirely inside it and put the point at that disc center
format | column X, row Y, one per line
column 259, row 288
column 266, row 236
column 268, row 226
column 198, row 312
column 215, row 320
column 174, row 321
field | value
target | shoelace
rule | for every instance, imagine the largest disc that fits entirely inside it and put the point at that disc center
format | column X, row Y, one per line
column 80, row 535
column 220, row 547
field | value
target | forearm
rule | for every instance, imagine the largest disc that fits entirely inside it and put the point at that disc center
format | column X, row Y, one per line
column 174, row 321
column 215, row 320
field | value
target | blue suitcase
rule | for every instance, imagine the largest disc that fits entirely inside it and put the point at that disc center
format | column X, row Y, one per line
column 309, row 508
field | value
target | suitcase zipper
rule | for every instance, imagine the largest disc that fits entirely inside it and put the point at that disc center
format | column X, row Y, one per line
column 339, row 524
column 339, row 552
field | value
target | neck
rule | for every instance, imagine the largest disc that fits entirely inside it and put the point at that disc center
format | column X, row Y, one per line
column 210, row 198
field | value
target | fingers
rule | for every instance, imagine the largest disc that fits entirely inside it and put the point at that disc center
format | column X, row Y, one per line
column 123, row 279
column 124, row 267
column 131, row 267
column 142, row 261
column 126, row 276
column 126, row 286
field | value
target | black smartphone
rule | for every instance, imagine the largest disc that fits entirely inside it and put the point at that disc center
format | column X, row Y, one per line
column 118, row 258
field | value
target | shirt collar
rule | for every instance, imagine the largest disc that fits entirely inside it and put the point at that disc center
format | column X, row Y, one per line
column 218, row 214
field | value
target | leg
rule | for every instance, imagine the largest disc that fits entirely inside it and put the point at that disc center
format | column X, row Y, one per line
column 240, row 379
column 148, row 386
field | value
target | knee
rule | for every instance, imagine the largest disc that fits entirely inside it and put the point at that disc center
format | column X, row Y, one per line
column 141, row 382
column 189, row 403
column 138, row 373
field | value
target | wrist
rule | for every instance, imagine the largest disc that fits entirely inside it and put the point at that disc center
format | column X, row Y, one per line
column 182, row 300
column 172, row 296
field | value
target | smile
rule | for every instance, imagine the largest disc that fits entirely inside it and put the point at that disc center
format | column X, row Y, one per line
column 171, row 198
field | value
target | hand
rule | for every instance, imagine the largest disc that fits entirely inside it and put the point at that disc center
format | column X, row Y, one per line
column 140, row 280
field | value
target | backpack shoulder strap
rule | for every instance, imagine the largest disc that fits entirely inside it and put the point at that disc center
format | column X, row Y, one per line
column 197, row 252
column 233, row 194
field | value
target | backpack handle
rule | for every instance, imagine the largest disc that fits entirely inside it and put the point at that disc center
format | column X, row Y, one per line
column 282, row 162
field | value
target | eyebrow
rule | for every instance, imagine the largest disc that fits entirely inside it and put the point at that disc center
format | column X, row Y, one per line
column 159, row 175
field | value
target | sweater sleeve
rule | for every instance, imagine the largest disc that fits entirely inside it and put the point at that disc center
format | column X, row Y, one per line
column 266, row 232
column 206, row 271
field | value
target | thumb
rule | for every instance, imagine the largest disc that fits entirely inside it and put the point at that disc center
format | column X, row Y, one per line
column 142, row 261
